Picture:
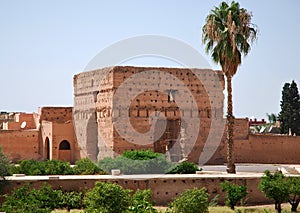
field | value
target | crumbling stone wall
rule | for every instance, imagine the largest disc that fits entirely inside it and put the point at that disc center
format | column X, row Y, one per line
column 97, row 109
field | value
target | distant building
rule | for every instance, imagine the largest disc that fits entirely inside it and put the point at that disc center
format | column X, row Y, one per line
column 48, row 134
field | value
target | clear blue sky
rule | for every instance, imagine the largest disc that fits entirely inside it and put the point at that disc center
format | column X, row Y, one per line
column 44, row 43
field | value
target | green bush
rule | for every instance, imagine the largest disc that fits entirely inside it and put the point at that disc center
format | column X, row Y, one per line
column 234, row 193
column 107, row 198
column 45, row 199
column 49, row 167
column 56, row 167
column 72, row 200
column 137, row 162
column 25, row 199
column 191, row 201
column 86, row 167
column 142, row 202
column 184, row 168
column 30, row 167
column 141, row 154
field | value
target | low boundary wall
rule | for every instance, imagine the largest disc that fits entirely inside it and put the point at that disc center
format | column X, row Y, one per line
column 164, row 187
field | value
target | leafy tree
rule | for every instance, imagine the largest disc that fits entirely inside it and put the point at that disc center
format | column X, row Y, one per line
column 227, row 33
column 274, row 186
column 107, row 198
column 184, row 167
column 294, row 191
column 234, row 193
column 289, row 115
column 191, row 200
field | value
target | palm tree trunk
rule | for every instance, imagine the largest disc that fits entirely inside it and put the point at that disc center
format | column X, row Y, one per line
column 230, row 123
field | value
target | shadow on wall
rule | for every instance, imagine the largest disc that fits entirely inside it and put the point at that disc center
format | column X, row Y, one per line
column 92, row 138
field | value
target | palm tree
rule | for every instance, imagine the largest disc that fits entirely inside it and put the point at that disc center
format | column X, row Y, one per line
column 227, row 33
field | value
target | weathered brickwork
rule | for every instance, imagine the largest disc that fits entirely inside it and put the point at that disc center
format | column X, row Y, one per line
column 48, row 134
column 96, row 106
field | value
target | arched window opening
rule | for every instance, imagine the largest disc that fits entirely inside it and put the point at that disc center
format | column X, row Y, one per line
column 64, row 145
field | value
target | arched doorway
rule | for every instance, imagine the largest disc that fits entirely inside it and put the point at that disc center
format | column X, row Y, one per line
column 47, row 149
column 64, row 152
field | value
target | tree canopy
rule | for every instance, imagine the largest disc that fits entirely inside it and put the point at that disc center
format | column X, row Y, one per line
column 289, row 115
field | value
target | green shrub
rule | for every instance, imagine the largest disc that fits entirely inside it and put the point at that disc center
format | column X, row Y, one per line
column 184, row 168
column 190, row 201
column 107, row 198
column 30, row 167
column 142, row 202
column 86, row 167
column 141, row 154
column 72, row 200
column 56, row 167
column 45, row 199
column 137, row 162
column 25, row 199
column 234, row 193
column 49, row 167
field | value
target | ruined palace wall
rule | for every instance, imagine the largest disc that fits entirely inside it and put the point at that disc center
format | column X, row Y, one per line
column 20, row 144
column 206, row 92
column 56, row 114
column 268, row 149
column 86, row 88
column 95, row 112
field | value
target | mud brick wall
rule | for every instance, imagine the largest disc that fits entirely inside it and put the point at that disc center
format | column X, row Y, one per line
column 86, row 88
column 56, row 114
column 94, row 107
column 20, row 144
column 270, row 149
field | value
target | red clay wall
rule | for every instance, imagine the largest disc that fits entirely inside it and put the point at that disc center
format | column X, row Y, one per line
column 56, row 114
column 20, row 144
column 146, row 103
column 268, row 149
